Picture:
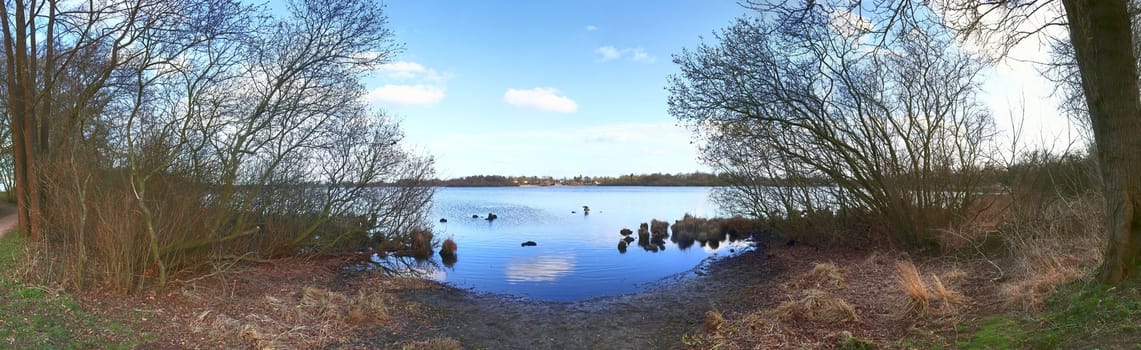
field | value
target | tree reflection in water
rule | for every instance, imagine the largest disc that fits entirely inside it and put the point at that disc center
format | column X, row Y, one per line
column 692, row 230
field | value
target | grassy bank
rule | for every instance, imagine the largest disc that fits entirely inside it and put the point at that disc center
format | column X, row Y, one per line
column 1081, row 315
column 37, row 317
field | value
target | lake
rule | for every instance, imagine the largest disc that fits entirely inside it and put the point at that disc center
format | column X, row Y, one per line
column 576, row 256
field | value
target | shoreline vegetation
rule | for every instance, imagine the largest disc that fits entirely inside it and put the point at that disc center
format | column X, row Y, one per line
column 695, row 179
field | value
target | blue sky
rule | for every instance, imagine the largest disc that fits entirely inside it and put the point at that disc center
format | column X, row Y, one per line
column 566, row 88
column 558, row 88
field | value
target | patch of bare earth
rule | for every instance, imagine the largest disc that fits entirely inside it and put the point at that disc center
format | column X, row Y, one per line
column 282, row 304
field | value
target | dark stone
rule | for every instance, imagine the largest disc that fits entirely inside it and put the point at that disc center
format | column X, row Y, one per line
column 473, row 216
column 529, row 244
column 443, row 220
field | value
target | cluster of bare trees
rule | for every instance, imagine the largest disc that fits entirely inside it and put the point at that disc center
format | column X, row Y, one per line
column 873, row 96
column 896, row 129
column 153, row 137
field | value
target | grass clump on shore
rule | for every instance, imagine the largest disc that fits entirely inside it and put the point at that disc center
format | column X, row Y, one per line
column 924, row 300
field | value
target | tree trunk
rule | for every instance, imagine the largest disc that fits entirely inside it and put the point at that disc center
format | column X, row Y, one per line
column 21, row 113
column 1103, row 45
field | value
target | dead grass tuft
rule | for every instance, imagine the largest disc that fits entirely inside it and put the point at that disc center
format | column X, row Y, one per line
column 827, row 273
column 821, row 275
column 713, row 321
column 936, row 300
column 818, row 305
column 918, row 298
column 875, row 258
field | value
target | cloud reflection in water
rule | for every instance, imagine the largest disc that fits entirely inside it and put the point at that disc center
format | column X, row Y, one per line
column 539, row 269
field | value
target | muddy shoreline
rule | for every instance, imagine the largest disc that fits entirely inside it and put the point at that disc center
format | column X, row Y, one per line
column 657, row 317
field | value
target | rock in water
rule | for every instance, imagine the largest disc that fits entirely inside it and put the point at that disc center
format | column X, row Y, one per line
column 529, row 244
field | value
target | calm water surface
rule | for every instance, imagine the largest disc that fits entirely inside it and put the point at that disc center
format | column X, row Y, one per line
column 576, row 257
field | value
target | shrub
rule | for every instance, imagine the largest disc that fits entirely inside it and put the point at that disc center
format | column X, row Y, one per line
column 448, row 247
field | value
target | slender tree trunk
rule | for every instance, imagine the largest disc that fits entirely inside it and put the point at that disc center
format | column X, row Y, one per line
column 1103, row 45
column 20, row 109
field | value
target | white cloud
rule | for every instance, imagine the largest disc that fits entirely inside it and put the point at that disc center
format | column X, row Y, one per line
column 405, row 70
column 640, row 55
column 541, row 98
column 636, row 54
column 402, row 69
column 608, row 53
column 406, row 95
column 408, row 83
column 591, row 27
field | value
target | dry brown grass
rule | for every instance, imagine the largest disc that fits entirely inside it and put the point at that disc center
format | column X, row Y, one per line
column 288, row 304
column 923, row 300
column 317, row 318
column 819, row 306
column 827, row 273
column 713, row 321
column 1056, row 244
column 918, row 298
column 813, row 303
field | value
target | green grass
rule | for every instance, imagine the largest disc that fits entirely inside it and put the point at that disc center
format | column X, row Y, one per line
column 1081, row 315
column 36, row 318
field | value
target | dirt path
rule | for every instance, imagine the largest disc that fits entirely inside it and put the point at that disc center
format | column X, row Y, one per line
column 656, row 318
column 8, row 218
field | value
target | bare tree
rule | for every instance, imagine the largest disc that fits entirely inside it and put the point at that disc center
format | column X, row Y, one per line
column 897, row 130
column 1102, row 35
column 165, row 135
column 1103, row 44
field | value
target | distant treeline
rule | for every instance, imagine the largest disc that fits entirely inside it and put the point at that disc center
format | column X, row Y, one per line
column 655, row 179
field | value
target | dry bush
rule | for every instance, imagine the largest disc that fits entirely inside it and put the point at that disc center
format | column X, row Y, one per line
column 448, row 247
column 1054, row 245
column 421, row 245
column 659, row 229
